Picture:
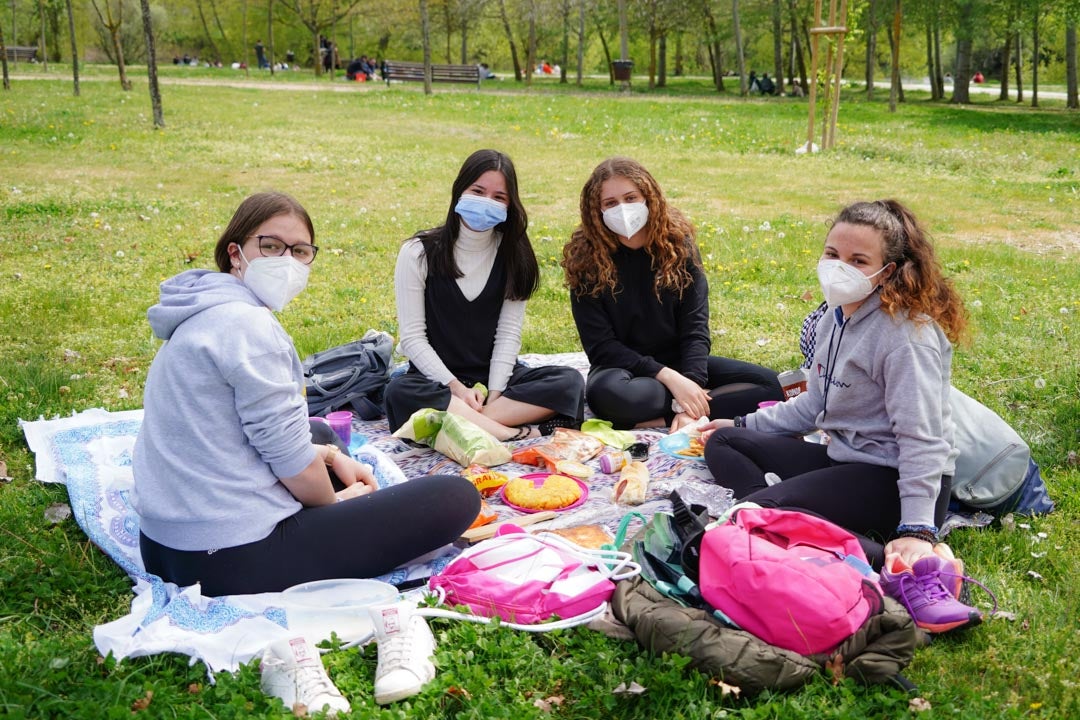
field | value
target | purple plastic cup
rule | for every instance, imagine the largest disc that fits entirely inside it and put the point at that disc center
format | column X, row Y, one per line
column 767, row 403
column 341, row 423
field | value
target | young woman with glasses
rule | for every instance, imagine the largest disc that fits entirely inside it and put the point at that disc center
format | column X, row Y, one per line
column 232, row 489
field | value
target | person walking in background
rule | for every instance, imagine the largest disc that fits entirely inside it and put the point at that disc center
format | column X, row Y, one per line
column 461, row 289
column 640, row 301
column 879, row 390
column 260, row 55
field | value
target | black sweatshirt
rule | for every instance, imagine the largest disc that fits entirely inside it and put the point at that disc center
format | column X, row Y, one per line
column 632, row 330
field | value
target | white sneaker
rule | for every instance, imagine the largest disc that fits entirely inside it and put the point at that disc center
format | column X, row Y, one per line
column 291, row 670
column 405, row 648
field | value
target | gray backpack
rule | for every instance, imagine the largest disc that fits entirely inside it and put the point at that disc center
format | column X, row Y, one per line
column 350, row 377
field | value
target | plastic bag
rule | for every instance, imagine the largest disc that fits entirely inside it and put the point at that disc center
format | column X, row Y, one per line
column 565, row 444
column 455, row 437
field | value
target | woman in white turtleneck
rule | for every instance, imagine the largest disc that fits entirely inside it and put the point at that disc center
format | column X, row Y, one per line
column 461, row 290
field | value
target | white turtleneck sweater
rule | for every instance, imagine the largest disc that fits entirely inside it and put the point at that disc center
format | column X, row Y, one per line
column 474, row 253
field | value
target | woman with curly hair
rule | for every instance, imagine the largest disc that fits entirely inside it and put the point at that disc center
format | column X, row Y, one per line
column 641, row 304
column 461, row 289
column 879, row 390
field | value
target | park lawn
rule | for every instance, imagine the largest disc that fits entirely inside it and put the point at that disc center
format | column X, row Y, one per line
column 98, row 207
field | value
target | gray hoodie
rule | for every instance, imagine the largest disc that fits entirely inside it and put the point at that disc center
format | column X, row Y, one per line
column 879, row 386
column 224, row 418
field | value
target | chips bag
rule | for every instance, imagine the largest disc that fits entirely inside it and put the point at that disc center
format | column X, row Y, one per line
column 455, row 437
column 487, row 481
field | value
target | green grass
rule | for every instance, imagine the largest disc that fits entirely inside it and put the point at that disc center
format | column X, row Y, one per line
column 97, row 207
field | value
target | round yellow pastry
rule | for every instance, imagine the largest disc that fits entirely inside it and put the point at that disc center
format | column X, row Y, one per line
column 557, row 491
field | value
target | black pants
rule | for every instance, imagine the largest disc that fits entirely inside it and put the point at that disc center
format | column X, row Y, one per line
column 360, row 538
column 859, row 497
column 736, row 388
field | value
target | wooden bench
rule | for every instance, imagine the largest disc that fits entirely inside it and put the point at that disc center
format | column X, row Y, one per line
column 20, row 53
column 406, row 71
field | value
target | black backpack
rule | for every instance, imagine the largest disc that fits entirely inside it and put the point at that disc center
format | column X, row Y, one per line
column 350, row 377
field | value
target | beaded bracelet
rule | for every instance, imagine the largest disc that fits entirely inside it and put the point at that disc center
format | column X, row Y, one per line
column 928, row 533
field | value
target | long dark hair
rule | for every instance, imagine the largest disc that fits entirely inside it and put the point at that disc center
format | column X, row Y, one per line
column 253, row 212
column 522, row 272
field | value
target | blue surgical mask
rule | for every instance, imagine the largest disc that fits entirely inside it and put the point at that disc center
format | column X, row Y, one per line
column 480, row 213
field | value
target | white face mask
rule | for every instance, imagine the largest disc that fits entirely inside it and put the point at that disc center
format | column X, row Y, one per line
column 275, row 280
column 844, row 284
column 625, row 219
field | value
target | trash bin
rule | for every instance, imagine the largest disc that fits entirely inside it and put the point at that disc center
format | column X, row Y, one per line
column 621, row 69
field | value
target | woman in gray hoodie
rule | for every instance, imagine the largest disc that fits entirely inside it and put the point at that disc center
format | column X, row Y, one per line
column 230, row 488
column 879, row 390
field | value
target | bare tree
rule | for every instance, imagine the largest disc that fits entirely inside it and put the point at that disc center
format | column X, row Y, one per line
column 206, row 31
column 74, row 48
column 113, row 24
column 151, row 64
column 510, row 39
column 425, row 33
column 895, row 91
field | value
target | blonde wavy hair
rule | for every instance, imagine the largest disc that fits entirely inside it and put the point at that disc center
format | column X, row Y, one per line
column 587, row 258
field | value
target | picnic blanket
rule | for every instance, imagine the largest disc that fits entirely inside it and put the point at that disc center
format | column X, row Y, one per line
column 90, row 453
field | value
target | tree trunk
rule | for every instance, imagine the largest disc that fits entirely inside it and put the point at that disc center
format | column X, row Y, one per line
column 530, row 45
column 965, row 33
column 652, row 57
column 125, row 84
column 206, row 31
column 565, row 41
column 510, row 39
column 930, row 62
column 151, row 64
column 871, row 48
column 741, row 57
column 3, row 60
column 939, row 78
column 896, row 92
column 1006, row 61
column 270, row 39
column 44, row 43
column 449, row 34
column 1071, row 100
column 244, row 57
column 798, row 47
column 74, row 48
column 714, row 49
column 607, row 53
column 425, row 39
column 661, row 65
column 581, row 42
column 778, row 47
column 1019, row 68
column 464, row 39
column 680, row 59
column 1035, row 58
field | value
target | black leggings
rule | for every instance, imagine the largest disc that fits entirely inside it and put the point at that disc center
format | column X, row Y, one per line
column 736, row 388
column 860, row 497
column 359, row 538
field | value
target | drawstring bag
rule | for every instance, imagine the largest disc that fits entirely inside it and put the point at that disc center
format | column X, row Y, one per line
column 528, row 580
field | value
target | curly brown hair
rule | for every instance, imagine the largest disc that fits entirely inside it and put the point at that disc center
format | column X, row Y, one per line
column 918, row 285
column 587, row 258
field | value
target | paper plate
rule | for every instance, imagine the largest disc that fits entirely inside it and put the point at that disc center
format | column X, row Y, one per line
column 676, row 445
column 536, row 478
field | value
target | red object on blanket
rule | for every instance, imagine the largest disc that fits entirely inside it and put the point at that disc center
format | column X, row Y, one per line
column 564, row 444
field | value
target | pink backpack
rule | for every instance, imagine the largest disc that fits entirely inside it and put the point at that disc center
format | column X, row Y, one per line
column 527, row 579
column 794, row 580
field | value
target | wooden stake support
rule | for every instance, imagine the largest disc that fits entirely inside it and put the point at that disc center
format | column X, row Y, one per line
column 833, row 66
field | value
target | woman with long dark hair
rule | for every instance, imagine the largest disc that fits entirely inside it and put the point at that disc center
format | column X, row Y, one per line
column 461, row 289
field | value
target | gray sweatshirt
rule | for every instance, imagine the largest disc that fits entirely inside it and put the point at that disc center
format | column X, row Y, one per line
column 224, row 418
column 879, row 387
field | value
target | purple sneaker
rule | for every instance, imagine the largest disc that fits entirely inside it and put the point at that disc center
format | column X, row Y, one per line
column 922, row 589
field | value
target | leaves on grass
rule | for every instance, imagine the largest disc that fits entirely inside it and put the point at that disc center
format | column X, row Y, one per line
column 835, row 666
column 4, row 477
column 57, row 513
column 546, row 704
column 919, row 704
column 632, row 689
column 143, row 702
column 725, row 689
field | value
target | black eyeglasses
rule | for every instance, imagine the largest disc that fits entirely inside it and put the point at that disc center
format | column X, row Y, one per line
column 270, row 246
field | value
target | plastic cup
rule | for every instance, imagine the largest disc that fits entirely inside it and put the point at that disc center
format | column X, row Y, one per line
column 768, row 403
column 341, row 423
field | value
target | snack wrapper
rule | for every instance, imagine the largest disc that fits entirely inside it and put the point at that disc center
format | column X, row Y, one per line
column 485, row 516
column 487, row 481
column 633, row 484
column 455, row 437
column 564, row 444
